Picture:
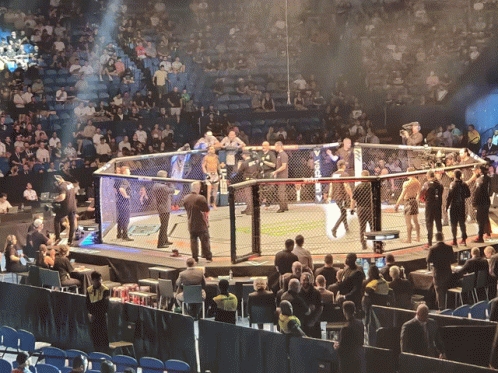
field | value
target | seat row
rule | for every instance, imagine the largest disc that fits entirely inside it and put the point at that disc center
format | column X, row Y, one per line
column 480, row 311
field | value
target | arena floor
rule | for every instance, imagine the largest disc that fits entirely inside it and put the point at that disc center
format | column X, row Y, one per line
column 313, row 221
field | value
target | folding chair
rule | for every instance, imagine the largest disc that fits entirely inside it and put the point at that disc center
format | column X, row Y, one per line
column 52, row 280
column 28, row 343
column 462, row 311
column 96, row 358
column 10, row 339
column 482, row 282
column 261, row 315
column 54, row 356
column 126, row 345
column 246, row 290
column 468, row 283
column 192, row 294
column 46, row 368
column 479, row 310
column 5, row 366
column 165, row 290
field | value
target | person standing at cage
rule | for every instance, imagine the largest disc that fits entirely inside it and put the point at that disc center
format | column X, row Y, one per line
column 281, row 172
column 459, row 192
column 362, row 198
column 211, row 167
column 267, row 164
column 162, row 193
column 466, row 159
column 340, row 193
column 432, row 195
column 446, row 178
column 249, row 169
column 123, row 191
column 66, row 207
column 197, row 215
column 481, row 201
column 411, row 189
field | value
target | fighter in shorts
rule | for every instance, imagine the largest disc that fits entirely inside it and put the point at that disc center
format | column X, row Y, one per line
column 409, row 194
column 211, row 167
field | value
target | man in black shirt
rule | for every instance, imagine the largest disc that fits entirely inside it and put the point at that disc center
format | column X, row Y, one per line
column 285, row 258
column 313, row 299
column 123, row 191
column 248, row 168
column 340, row 193
column 281, row 172
column 441, row 256
column 35, row 239
column 481, row 201
column 328, row 271
column 267, row 164
column 384, row 271
column 458, row 193
column 162, row 194
column 301, row 309
column 432, row 195
column 362, row 197
column 174, row 99
column 97, row 304
column 197, row 209
column 65, row 207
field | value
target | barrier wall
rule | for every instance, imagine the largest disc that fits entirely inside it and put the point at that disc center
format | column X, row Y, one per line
column 61, row 319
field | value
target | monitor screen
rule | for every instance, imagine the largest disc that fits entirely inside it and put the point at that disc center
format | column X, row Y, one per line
column 464, row 255
column 380, row 262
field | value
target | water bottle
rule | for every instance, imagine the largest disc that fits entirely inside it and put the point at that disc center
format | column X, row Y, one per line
column 22, row 207
column 230, row 275
column 402, row 272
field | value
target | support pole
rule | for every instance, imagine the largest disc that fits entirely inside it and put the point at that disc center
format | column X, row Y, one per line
column 256, row 221
column 231, row 206
column 98, row 220
column 377, row 213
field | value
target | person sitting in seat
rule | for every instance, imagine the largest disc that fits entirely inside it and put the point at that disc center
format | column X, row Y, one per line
column 66, row 270
column 191, row 276
column 376, row 288
column 12, row 257
column 287, row 322
column 262, row 297
column 402, row 288
column 22, row 361
column 226, row 304
column 45, row 258
column 80, row 364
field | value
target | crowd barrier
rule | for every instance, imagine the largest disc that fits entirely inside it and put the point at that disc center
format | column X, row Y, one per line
column 62, row 320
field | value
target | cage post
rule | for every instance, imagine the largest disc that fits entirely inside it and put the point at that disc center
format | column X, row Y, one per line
column 96, row 194
column 231, row 207
column 256, row 220
column 377, row 213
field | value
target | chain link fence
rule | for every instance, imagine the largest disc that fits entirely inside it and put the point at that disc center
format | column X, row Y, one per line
column 264, row 211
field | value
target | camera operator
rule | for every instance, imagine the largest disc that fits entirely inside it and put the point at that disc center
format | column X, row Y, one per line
column 414, row 138
column 65, row 207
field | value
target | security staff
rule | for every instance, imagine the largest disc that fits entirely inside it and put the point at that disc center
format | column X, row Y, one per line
column 162, row 194
column 123, row 191
column 432, row 195
column 281, row 172
column 362, row 197
column 66, row 207
column 97, row 304
column 446, row 178
column 249, row 169
column 459, row 192
column 481, row 201
column 226, row 304
column 267, row 164
column 340, row 193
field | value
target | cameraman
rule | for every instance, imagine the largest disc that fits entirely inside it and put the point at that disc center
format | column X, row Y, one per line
column 65, row 207
column 413, row 139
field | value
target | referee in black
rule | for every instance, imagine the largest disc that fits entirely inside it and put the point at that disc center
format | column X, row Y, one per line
column 481, row 201
column 340, row 193
column 162, row 194
column 432, row 195
column 268, row 161
column 249, row 169
column 362, row 197
column 458, row 193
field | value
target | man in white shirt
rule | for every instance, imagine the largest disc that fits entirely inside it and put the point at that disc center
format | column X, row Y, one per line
column 125, row 143
column 18, row 100
column 59, row 45
column 42, row 154
column 70, row 151
column 75, row 68
column 61, row 95
column 86, row 69
column 3, row 149
column 141, row 134
column 80, row 110
column 26, row 96
column 30, row 194
column 103, row 148
column 232, row 142
column 300, row 83
column 4, row 204
column 54, row 140
column 96, row 137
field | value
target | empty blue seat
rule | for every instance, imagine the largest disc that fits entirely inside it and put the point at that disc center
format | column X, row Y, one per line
column 46, row 368
column 462, row 311
column 96, row 359
column 176, row 366
column 122, row 362
column 54, row 356
column 448, row 312
column 10, row 338
column 5, row 366
column 479, row 310
column 151, row 365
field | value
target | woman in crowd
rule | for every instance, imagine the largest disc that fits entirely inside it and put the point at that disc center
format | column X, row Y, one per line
column 66, row 270
column 12, row 258
column 46, row 258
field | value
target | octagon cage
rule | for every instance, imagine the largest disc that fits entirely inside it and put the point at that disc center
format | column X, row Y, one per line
column 255, row 217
